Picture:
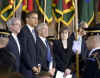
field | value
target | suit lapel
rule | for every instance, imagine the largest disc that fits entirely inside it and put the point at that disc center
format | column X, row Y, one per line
column 14, row 44
column 43, row 47
column 29, row 34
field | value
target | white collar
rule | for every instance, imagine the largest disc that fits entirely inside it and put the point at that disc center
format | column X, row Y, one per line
column 14, row 35
column 30, row 28
column 64, row 41
column 93, row 50
column 17, row 42
column 43, row 39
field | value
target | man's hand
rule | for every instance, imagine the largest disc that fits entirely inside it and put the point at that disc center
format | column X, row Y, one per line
column 67, row 71
column 35, row 70
column 39, row 68
column 52, row 71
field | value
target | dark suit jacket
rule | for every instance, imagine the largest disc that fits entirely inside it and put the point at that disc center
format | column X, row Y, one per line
column 7, row 61
column 84, row 53
column 29, row 53
column 42, row 53
column 62, row 57
column 13, row 48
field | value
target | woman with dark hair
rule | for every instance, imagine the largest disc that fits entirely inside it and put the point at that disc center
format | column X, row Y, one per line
column 62, row 51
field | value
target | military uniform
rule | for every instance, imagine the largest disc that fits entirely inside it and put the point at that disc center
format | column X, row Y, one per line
column 7, row 60
column 92, row 69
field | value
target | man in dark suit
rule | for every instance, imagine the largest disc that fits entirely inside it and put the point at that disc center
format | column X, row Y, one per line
column 28, row 40
column 13, row 44
column 45, row 54
column 79, row 45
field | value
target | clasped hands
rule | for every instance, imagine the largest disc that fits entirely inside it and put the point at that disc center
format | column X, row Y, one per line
column 36, row 69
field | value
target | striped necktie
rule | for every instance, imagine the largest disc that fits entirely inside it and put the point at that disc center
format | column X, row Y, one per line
column 49, row 57
column 34, row 36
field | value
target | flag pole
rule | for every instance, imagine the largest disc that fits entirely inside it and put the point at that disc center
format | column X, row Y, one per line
column 44, row 8
column 14, row 8
column 76, row 30
column 73, row 25
column 58, row 36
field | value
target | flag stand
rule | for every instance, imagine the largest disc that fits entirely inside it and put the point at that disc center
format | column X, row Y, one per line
column 58, row 36
column 76, row 30
column 14, row 9
column 44, row 9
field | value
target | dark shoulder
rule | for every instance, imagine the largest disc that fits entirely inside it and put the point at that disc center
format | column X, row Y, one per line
column 56, row 42
column 6, row 58
column 4, row 53
column 23, row 32
column 72, row 36
column 24, row 29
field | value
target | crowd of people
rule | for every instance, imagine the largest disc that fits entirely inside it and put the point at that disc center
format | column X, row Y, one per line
column 26, row 52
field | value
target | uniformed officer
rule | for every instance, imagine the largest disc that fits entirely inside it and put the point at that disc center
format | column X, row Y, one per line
column 93, row 61
column 7, row 60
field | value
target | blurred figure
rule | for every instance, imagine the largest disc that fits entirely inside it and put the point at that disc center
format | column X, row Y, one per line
column 14, row 44
column 45, row 53
column 63, row 52
column 11, row 75
column 7, row 59
column 92, row 69
column 28, row 39
column 15, row 75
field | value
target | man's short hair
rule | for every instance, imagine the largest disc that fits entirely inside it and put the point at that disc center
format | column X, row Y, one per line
column 40, row 26
column 30, row 13
column 11, row 22
column 63, row 29
column 82, row 24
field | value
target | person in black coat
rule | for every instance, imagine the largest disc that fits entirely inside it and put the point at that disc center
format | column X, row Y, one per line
column 27, row 37
column 45, row 54
column 62, row 51
column 7, row 59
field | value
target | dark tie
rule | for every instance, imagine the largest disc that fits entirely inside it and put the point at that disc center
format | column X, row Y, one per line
column 34, row 36
column 49, row 57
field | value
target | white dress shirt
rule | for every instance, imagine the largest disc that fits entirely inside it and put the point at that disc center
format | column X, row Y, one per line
column 64, row 42
column 16, row 39
column 93, row 50
column 77, row 45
